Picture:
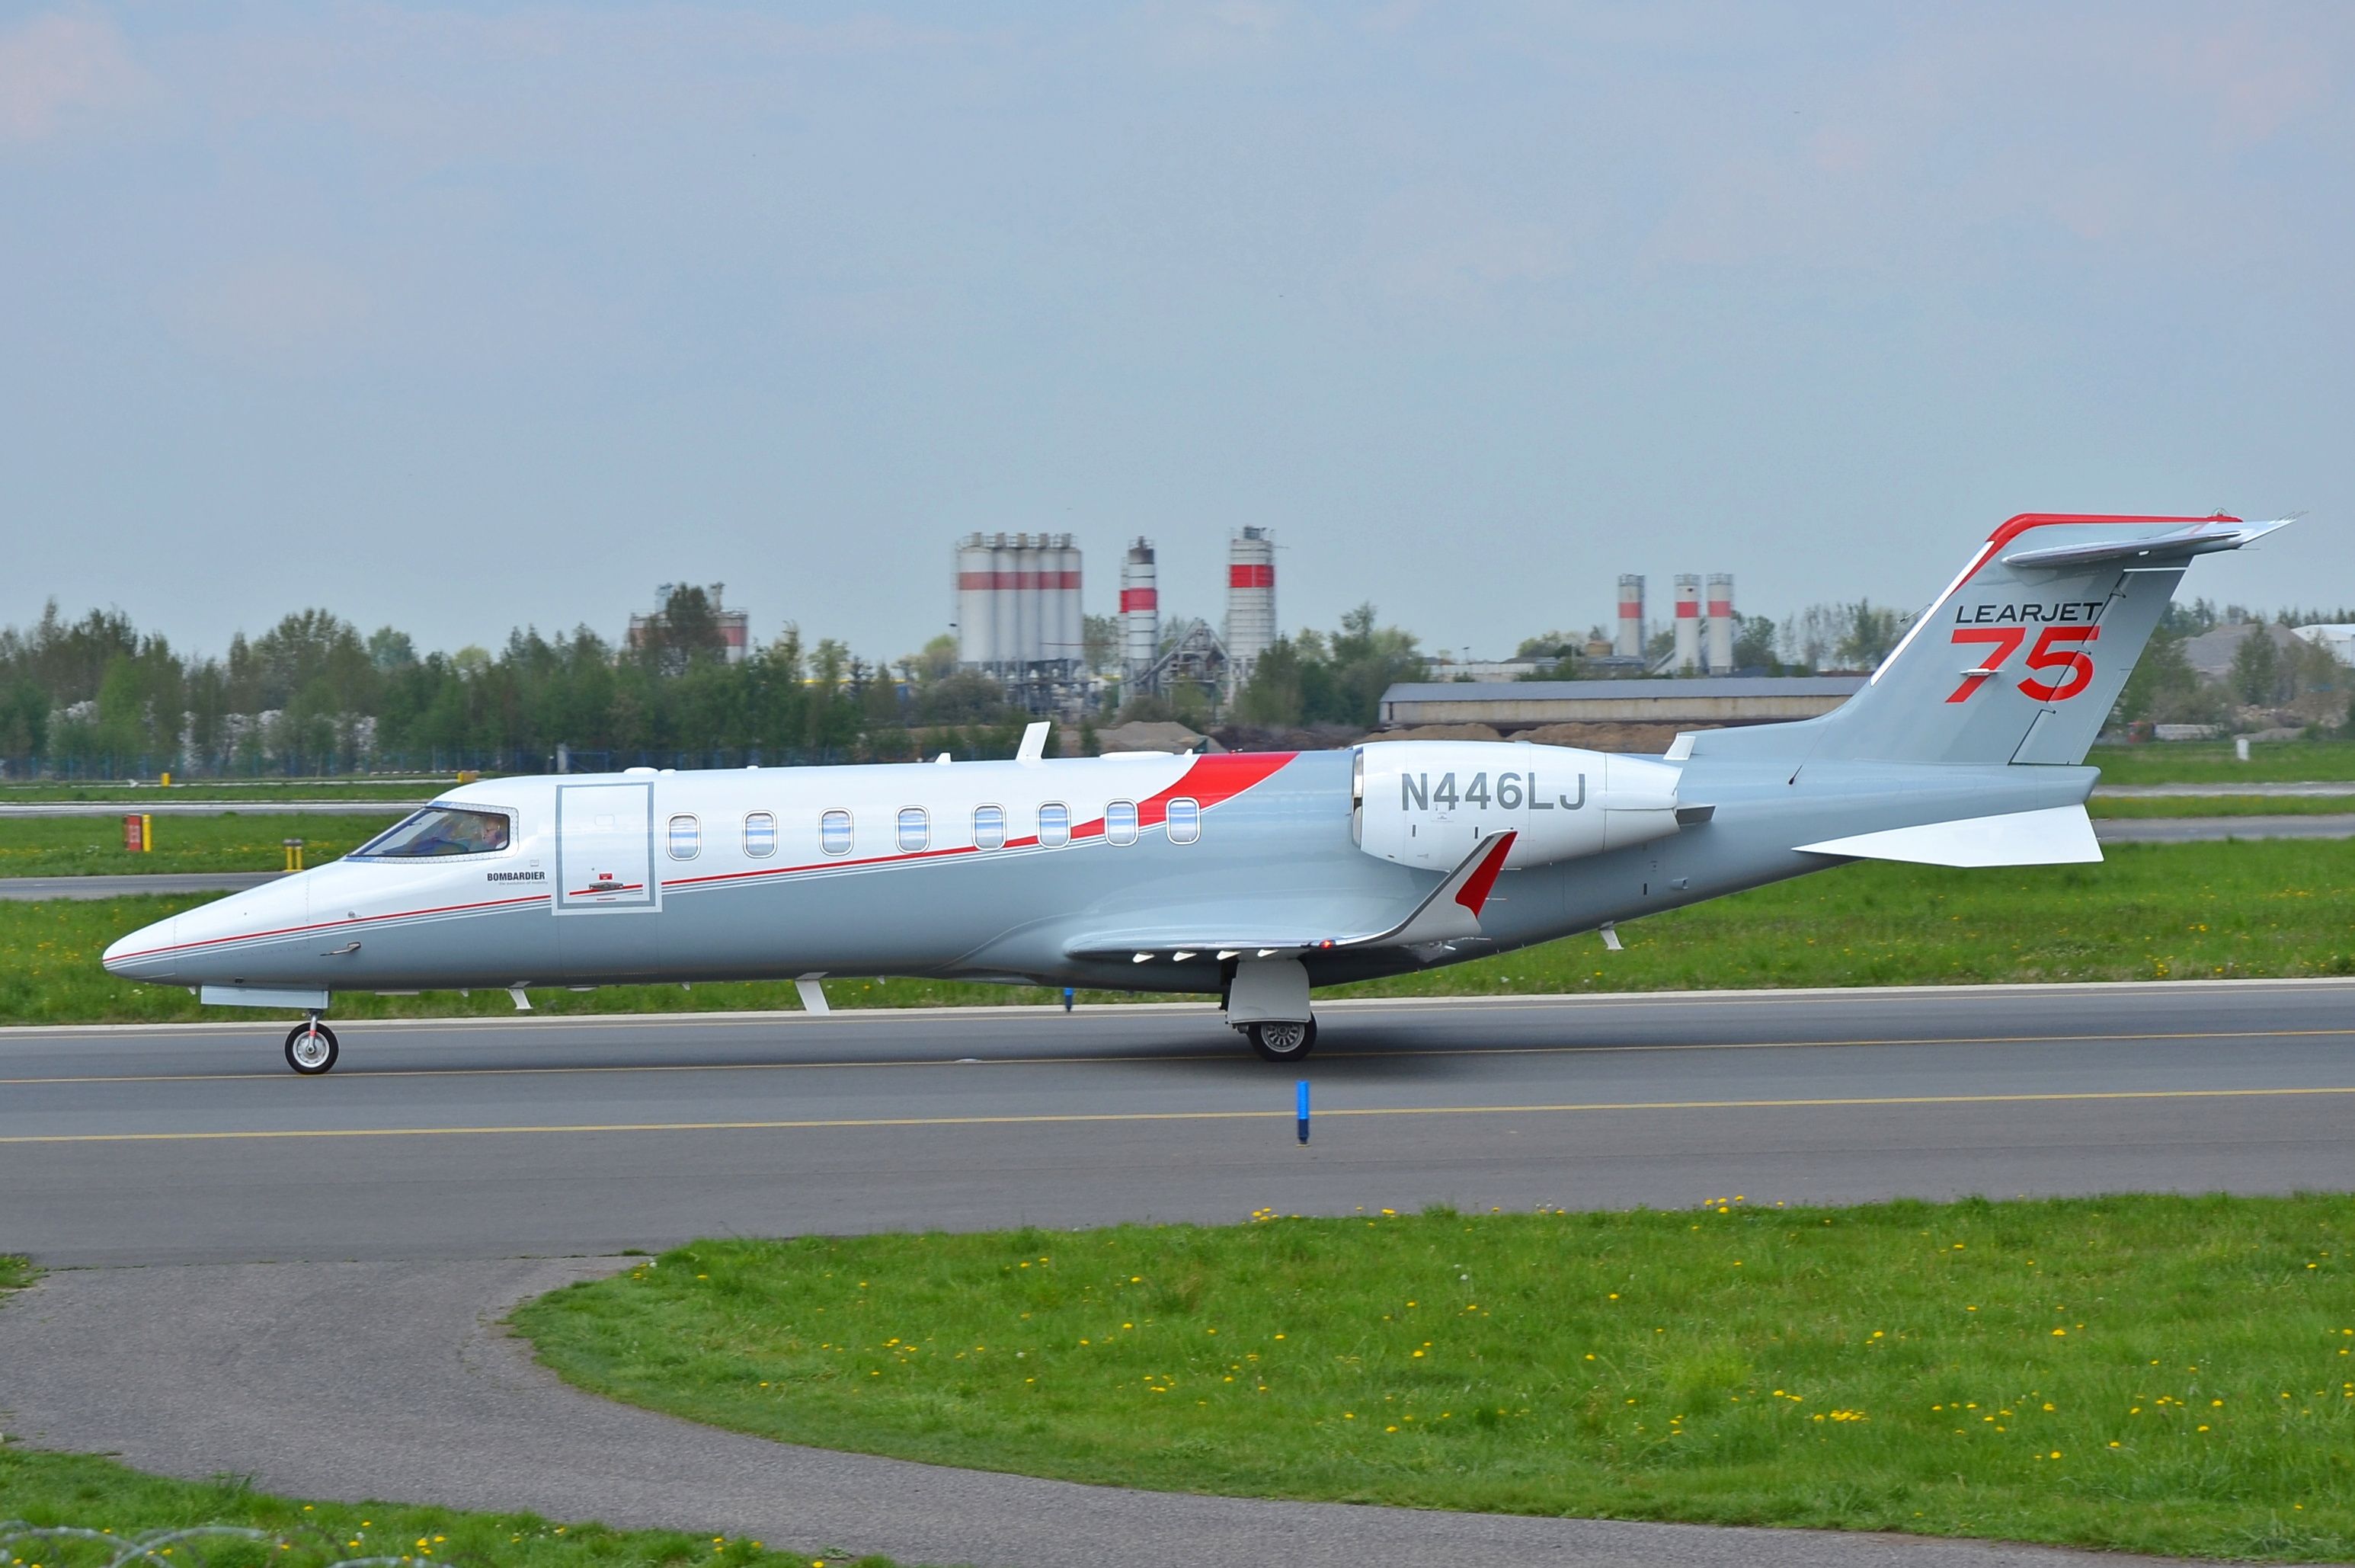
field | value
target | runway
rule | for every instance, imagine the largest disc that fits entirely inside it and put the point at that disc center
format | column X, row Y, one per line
column 497, row 1137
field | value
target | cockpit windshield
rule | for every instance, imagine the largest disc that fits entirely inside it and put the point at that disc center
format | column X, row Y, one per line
column 440, row 830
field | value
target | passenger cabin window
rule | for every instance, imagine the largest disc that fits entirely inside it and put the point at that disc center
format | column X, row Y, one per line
column 685, row 838
column 760, row 835
column 1054, row 825
column 915, row 829
column 989, row 826
column 1185, row 820
column 440, row 830
column 1120, row 822
column 833, row 833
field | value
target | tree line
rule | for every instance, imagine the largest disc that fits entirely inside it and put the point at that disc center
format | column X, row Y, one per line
column 97, row 697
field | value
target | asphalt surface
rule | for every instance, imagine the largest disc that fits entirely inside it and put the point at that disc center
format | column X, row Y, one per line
column 259, row 808
column 486, row 1138
column 28, row 889
column 2213, row 829
column 440, row 1151
column 2322, row 788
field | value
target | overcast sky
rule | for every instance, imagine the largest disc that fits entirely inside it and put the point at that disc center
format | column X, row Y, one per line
column 467, row 318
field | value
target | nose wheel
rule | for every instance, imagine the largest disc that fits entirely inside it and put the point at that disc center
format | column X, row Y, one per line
column 1281, row 1039
column 310, row 1048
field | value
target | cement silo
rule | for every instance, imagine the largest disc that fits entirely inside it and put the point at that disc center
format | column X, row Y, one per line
column 1067, row 644
column 1630, row 645
column 1140, row 615
column 1721, row 622
column 1688, row 659
column 1251, row 600
column 976, row 600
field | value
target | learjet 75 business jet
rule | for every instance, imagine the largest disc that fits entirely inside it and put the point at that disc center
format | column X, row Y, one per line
column 1252, row 877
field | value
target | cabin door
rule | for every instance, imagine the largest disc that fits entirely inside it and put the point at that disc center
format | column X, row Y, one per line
column 606, row 848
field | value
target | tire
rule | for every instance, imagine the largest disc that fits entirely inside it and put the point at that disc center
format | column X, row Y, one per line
column 311, row 1048
column 1280, row 1040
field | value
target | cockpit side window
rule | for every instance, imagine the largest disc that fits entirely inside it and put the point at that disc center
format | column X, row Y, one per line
column 440, row 830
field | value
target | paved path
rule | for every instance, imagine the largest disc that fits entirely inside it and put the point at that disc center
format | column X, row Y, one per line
column 388, row 809
column 2315, row 790
column 488, row 1137
column 2212, row 829
column 376, row 1380
column 27, row 889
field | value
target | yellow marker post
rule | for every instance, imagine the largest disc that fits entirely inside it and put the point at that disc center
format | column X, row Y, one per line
column 146, row 833
column 294, row 853
column 168, row 780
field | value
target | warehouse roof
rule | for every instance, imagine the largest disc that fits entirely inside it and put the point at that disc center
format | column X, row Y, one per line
column 1518, row 705
column 1700, row 688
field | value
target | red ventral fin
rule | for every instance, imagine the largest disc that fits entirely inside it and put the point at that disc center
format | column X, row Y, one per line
column 1473, row 894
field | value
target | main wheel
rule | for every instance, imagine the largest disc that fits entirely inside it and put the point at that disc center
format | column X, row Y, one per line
column 1281, row 1039
column 310, row 1048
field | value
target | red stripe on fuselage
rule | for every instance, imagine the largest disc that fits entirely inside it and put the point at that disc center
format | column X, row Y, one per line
column 332, row 924
column 1212, row 780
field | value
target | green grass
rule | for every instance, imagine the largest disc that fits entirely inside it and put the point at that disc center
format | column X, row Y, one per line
column 16, row 1273
column 2223, row 805
column 2150, row 911
column 2212, row 762
column 2158, row 1374
column 93, row 1493
column 247, row 841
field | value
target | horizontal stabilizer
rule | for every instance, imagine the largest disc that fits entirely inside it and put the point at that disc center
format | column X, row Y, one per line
column 1450, row 912
column 2056, row 835
column 2198, row 538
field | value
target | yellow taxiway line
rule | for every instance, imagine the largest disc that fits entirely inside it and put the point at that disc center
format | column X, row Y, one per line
column 1204, row 1054
column 853, row 1122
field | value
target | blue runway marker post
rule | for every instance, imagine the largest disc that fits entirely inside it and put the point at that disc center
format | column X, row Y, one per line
column 1067, row 998
column 1302, row 1113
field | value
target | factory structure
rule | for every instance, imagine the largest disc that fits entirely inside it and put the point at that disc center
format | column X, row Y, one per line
column 1704, row 629
column 1019, row 619
column 735, row 625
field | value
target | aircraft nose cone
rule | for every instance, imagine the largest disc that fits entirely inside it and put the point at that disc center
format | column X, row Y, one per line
column 145, row 953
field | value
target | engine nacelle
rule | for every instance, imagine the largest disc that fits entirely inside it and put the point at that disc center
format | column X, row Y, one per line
column 1427, row 802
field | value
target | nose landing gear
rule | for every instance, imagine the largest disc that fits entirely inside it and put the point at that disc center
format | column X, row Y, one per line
column 311, row 1047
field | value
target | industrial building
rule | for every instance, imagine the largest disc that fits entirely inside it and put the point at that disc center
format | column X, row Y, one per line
column 1704, row 628
column 735, row 625
column 1511, row 705
column 1019, row 618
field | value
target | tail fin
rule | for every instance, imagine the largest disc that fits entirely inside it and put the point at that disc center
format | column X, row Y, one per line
column 2022, row 656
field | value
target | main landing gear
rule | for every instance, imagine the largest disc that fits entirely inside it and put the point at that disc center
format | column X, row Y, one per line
column 311, row 1047
column 1281, row 1039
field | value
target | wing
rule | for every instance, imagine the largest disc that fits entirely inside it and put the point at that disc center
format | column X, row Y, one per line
column 1450, row 912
